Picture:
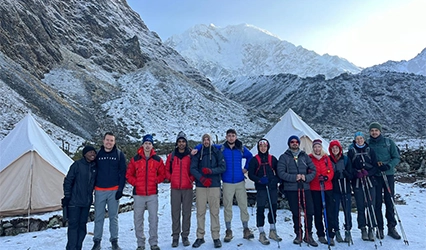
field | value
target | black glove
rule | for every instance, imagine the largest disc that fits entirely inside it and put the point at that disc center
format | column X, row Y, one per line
column 384, row 167
column 118, row 195
column 65, row 201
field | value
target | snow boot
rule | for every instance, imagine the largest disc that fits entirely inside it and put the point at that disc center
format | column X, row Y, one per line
column 217, row 243
column 393, row 233
column 175, row 243
column 248, row 235
column 338, row 236
column 322, row 240
column 348, row 236
column 96, row 245
column 370, row 234
column 274, row 236
column 155, row 247
column 198, row 243
column 298, row 239
column 263, row 239
column 310, row 240
column 114, row 245
column 364, row 234
column 228, row 235
column 185, row 241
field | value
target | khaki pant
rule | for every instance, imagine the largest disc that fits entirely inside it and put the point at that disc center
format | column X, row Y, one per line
column 212, row 197
column 239, row 190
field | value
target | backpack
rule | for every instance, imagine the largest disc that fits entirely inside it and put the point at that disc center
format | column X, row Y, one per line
column 388, row 144
column 366, row 153
column 260, row 163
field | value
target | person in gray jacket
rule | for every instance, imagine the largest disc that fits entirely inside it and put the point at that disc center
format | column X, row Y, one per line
column 296, row 170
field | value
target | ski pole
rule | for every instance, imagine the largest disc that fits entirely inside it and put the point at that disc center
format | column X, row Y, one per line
column 325, row 213
column 385, row 178
column 271, row 211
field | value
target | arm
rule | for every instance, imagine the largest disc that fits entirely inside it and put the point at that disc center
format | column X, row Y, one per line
column 330, row 173
column 194, row 166
column 221, row 166
column 131, row 173
column 248, row 156
column 311, row 169
column 394, row 155
column 168, row 167
column 161, row 171
column 69, row 180
column 122, row 172
column 253, row 165
column 283, row 170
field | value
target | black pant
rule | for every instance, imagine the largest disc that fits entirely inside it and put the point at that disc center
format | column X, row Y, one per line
column 77, row 220
column 318, row 212
column 293, row 202
column 364, row 200
column 382, row 193
column 261, row 199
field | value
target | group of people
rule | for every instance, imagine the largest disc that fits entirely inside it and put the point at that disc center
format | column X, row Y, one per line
column 315, row 185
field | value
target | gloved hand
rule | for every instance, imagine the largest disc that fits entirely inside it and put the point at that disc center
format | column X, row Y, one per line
column 384, row 167
column 364, row 172
column 65, row 201
column 206, row 170
column 264, row 180
column 322, row 178
column 207, row 182
column 118, row 195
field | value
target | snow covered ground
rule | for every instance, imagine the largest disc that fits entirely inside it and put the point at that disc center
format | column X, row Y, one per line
column 412, row 215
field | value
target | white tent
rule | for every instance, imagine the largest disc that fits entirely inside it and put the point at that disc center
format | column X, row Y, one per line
column 32, row 170
column 289, row 124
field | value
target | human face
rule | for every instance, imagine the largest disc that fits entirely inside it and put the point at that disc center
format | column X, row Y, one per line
column 90, row 156
column 206, row 142
column 359, row 140
column 263, row 148
column 335, row 150
column 109, row 142
column 374, row 132
column 317, row 148
column 181, row 143
column 231, row 138
column 294, row 145
column 147, row 147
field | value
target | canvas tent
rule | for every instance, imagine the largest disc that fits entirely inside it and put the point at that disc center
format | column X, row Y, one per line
column 32, row 170
column 289, row 124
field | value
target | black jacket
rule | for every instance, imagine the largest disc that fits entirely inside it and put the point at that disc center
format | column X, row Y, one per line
column 257, row 171
column 211, row 158
column 80, row 182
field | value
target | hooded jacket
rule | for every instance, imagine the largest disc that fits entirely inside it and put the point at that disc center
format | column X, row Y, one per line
column 288, row 169
column 257, row 171
column 324, row 167
column 80, row 182
column 342, row 170
column 178, row 168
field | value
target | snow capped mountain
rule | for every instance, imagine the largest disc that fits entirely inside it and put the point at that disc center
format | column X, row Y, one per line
column 226, row 53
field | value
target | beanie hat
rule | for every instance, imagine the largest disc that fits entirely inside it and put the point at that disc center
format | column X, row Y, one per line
column 87, row 149
column 293, row 137
column 181, row 135
column 147, row 137
column 375, row 125
column 263, row 141
column 359, row 133
column 316, row 141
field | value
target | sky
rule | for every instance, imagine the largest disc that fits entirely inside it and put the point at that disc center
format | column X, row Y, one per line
column 364, row 32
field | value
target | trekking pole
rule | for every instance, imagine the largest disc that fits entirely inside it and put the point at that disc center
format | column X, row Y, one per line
column 271, row 211
column 325, row 213
column 344, row 200
column 385, row 178
column 299, row 191
column 369, row 206
column 307, row 234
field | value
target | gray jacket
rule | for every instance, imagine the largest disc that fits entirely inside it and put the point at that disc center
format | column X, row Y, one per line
column 288, row 169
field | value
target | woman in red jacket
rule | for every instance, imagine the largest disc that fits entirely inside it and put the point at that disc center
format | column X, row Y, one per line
column 323, row 176
column 144, row 172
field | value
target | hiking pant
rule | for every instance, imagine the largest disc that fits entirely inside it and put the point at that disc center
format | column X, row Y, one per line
column 151, row 204
column 319, row 212
column 293, row 202
column 346, row 201
column 181, row 201
column 239, row 190
column 77, row 220
column 382, row 194
column 363, row 202
column 261, row 200
column 212, row 197
column 103, row 199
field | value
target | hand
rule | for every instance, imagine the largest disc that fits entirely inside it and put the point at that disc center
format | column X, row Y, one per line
column 194, row 152
column 384, row 167
column 322, row 178
column 207, row 182
column 118, row 195
column 166, row 181
column 364, row 172
column 264, row 180
column 206, row 171
column 65, row 201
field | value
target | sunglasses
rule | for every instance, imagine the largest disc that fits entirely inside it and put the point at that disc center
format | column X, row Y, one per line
column 294, row 142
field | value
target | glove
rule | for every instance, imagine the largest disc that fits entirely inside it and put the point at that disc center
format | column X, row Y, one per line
column 65, row 201
column 384, row 167
column 264, row 180
column 364, row 172
column 206, row 170
column 207, row 182
column 322, row 178
column 118, row 195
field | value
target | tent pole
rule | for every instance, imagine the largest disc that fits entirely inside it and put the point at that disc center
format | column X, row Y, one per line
column 30, row 191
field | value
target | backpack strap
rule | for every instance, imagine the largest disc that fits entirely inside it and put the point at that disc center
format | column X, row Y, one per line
column 260, row 163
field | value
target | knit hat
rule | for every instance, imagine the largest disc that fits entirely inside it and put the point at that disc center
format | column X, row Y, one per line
column 147, row 137
column 293, row 137
column 375, row 125
column 87, row 149
column 359, row 133
column 263, row 141
column 181, row 135
column 316, row 141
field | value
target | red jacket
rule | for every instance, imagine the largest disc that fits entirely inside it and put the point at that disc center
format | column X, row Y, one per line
column 324, row 167
column 179, row 173
column 145, row 174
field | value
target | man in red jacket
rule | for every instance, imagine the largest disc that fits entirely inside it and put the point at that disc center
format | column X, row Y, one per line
column 178, row 166
column 144, row 172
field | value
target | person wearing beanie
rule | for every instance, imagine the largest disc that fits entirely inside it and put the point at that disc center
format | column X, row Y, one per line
column 263, row 172
column 178, row 166
column 388, row 157
column 110, row 180
column 363, row 162
column 79, row 184
column 296, row 170
column 146, row 169
column 341, row 190
column 206, row 166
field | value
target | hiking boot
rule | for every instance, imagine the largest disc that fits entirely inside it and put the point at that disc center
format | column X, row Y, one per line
column 274, row 236
column 310, row 240
column 114, row 245
column 370, row 234
column 185, row 241
column 140, row 248
column 155, row 247
column 247, row 234
column 198, row 243
column 338, row 236
column 393, row 233
column 175, row 243
column 332, row 242
column 322, row 240
column 228, row 235
column 364, row 234
column 380, row 234
column 217, row 243
column 263, row 239
column 348, row 236
column 96, row 245
column 298, row 239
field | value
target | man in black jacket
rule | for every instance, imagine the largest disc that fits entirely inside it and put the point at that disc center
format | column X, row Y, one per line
column 78, row 196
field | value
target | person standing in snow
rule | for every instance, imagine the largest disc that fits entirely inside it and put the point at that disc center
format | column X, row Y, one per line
column 263, row 172
column 146, row 169
column 206, row 166
column 387, row 157
column 78, row 196
column 178, row 166
column 109, row 186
